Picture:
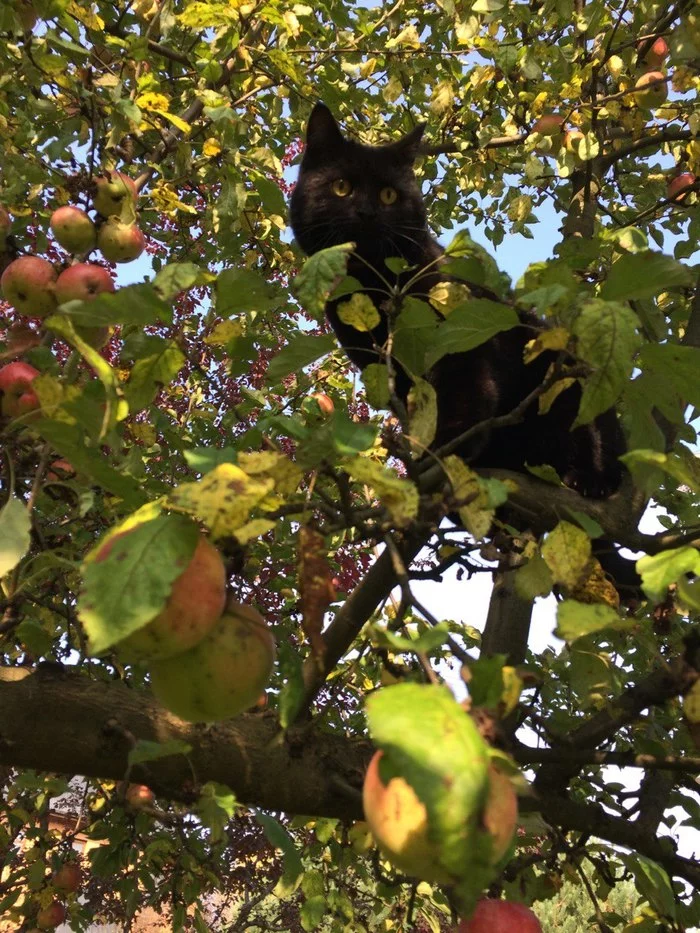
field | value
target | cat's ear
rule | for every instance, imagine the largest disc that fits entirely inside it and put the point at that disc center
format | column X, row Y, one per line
column 407, row 147
column 322, row 131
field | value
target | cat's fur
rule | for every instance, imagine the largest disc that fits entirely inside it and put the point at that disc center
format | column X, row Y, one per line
column 474, row 386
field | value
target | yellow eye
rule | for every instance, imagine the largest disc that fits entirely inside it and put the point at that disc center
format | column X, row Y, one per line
column 341, row 187
column 388, row 195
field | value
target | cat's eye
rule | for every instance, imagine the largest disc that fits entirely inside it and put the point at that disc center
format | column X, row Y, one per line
column 341, row 187
column 388, row 195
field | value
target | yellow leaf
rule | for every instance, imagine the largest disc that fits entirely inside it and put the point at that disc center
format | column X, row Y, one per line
column 407, row 38
column 84, row 13
column 254, row 529
column 512, row 687
column 52, row 395
column 285, row 474
column 152, row 101
column 144, row 433
column 566, row 551
column 594, row 587
column 422, row 411
column 223, row 499
column 691, row 703
column 223, row 333
column 359, row 312
column 446, row 296
column 547, row 399
column 399, row 496
column 211, row 147
column 474, row 512
column 167, row 201
column 176, row 121
column 557, row 338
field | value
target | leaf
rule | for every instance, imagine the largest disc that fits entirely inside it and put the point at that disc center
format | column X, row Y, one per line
column 223, row 500
column 279, row 837
column 413, row 331
column 659, row 571
column 351, row 437
column 423, row 415
column 215, row 807
column 566, row 551
column 574, row 619
column 144, row 750
column 239, row 290
column 376, row 380
column 151, row 373
column 123, row 591
column 475, row 508
column 133, row 304
column 292, row 691
column 425, row 643
column 15, row 526
column 359, row 312
column 642, row 275
column 468, row 326
column 533, row 579
column 178, row 277
column 299, row 352
column 398, row 496
column 674, row 365
column 607, row 339
column 653, row 884
column 312, row 912
column 321, row 273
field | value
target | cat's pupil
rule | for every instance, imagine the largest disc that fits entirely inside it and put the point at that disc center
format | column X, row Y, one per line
column 341, row 187
column 388, row 195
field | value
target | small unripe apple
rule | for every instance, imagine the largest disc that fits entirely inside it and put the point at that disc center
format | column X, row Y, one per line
column 615, row 66
column 73, row 229
column 52, row 916
column 114, row 191
column 494, row 916
column 67, row 878
column 679, row 185
column 139, row 796
column 196, row 601
column 651, row 89
column 656, row 53
column 5, row 226
column 28, row 284
column 83, row 282
column 120, row 242
column 16, row 395
column 221, row 676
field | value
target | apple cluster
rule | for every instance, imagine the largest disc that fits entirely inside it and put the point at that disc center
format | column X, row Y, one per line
column 65, row 880
column 208, row 658
column 36, row 288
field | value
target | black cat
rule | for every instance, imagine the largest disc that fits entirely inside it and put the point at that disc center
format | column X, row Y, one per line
column 369, row 195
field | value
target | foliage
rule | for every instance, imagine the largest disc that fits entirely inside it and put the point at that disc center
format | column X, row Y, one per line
column 221, row 399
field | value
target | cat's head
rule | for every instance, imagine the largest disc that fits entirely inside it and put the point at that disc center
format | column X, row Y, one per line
column 351, row 192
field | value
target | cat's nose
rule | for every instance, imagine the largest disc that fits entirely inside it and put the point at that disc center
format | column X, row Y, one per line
column 366, row 212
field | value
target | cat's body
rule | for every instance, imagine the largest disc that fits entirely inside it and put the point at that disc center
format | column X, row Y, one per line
column 369, row 195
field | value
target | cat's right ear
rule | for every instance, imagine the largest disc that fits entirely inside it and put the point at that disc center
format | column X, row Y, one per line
column 322, row 132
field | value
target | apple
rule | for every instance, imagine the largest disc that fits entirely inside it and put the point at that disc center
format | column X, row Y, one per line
column 496, row 916
column 83, row 282
column 52, row 916
column 551, row 127
column 572, row 141
column 324, row 402
column 651, row 89
column 28, row 283
column 196, row 601
column 678, row 186
column 120, row 242
column 615, row 66
column 15, row 388
column 656, row 53
column 66, row 470
column 67, row 878
column 114, row 192
column 5, row 226
column 221, row 676
column 73, row 229
column 139, row 796
column 500, row 816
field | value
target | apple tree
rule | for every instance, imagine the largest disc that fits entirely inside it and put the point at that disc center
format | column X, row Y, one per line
column 228, row 573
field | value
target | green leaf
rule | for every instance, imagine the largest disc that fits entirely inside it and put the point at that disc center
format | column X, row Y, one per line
column 376, row 380
column 302, row 350
column 659, row 571
column 425, row 643
column 204, row 459
column 239, row 290
column 675, row 366
column 177, row 277
column 413, row 330
column 486, row 684
column 533, row 579
column 279, row 837
column 151, row 373
column 134, row 304
column 34, row 637
column 607, row 339
column 312, row 912
column 574, row 619
column 352, row 437
column 470, row 325
column 145, row 750
column 653, row 883
column 215, row 807
column 566, row 551
column 124, row 591
column 643, row 275
column 423, row 415
column 15, row 526
column 464, row 247
column 322, row 272
column 292, row 691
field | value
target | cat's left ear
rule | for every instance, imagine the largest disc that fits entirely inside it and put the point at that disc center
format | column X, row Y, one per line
column 407, row 147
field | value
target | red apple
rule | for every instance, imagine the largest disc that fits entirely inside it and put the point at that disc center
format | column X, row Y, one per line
column 651, row 89
column 139, row 796
column 83, row 282
column 65, row 467
column 114, row 192
column 494, row 916
column 28, row 283
column 15, row 388
column 120, row 242
column 324, row 402
column 678, row 186
column 195, row 603
column 73, row 229
column 656, row 53
column 551, row 127
column 5, row 226
column 52, row 916
column 67, row 878
column 221, row 676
